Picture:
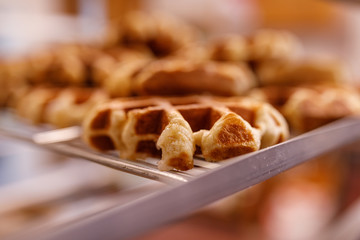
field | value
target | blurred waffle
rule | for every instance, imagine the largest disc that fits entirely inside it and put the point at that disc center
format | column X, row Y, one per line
column 263, row 45
column 307, row 71
column 307, row 107
column 114, row 73
column 162, row 35
column 184, row 77
column 61, row 107
column 12, row 76
column 66, row 65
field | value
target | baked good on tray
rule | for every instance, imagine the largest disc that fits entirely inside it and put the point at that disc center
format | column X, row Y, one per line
column 174, row 76
column 307, row 107
column 162, row 35
column 263, row 45
column 307, row 71
column 12, row 76
column 183, row 77
column 119, row 81
column 220, row 128
column 310, row 108
column 152, row 57
column 61, row 107
column 114, row 58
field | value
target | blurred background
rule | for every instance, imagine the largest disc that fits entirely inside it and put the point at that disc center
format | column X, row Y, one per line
column 317, row 200
column 326, row 27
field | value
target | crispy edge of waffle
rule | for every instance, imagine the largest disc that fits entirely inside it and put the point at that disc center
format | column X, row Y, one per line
column 104, row 128
column 180, row 76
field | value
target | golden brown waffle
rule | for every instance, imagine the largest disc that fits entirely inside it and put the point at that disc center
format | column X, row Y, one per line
column 307, row 107
column 115, row 58
column 264, row 45
column 66, row 65
column 163, row 35
column 184, row 77
column 59, row 107
column 171, row 127
column 12, row 77
column 3, row 84
column 276, row 95
column 32, row 103
column 312, row 71
column 56, row 68
column 115, row 74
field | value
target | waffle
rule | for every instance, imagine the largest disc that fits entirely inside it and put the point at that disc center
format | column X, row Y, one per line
column 276, row 95
column 114, row 58
column 220, row 128
column 307, row 107
column 312, row 71
column 67, row 65
column 3, row 85
column 197, row 52
column 39, row 98
column 56, row 68
column 12, row 77
column 118, row 77
column 162, row 35
column 59, row 107
column 264, row 45
column 184, row 77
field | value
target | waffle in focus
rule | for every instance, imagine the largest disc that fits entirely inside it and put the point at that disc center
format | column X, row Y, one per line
column 176, row 128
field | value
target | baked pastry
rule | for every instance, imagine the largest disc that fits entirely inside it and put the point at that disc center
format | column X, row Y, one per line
column 268, row 45
column 263, row 45
column 112, row 59
column 221, row 128
column 116, row 75
column 196, row 52
column 184, row 77
column 276, row 95
column 59, row 68
column 163, row 35
column 71, row 106
column 39, row 97
column 312, row 71
column 12, row 77
column 66, row 65
column 61, row 107
column 307, row 109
